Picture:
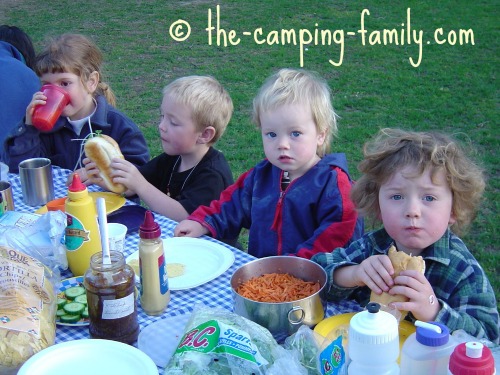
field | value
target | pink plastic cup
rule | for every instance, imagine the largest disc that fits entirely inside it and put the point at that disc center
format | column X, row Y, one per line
column 45, row 116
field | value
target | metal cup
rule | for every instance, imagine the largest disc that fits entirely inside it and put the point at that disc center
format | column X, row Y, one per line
column 36, row 181
column 6, row 201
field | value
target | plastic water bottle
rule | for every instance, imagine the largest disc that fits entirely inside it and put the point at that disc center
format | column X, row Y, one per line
column 471, row 358
column 373, row 342
column 428, row 350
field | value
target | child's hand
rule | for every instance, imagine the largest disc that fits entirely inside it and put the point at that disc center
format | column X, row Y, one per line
column 376, row 273
column 38, row 99
column 82, row 174
column 92, row 173
column 189, row 228
column 126, row 173
column 422, row 303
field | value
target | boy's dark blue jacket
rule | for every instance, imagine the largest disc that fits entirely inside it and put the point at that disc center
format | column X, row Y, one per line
column 313, row 215
column 64, row 148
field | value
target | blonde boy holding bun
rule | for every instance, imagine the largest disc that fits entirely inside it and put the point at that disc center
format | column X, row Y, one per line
column 194, row 114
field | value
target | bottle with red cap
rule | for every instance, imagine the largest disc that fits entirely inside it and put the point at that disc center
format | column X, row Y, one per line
column 82, row 237
column 471, row 358
column 154, row 290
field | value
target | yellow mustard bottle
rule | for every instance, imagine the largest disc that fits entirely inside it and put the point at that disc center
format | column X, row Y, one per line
column 154, row 291
column 82, row 236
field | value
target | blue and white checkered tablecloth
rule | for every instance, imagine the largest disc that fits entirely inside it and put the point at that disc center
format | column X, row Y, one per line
column 216, row 293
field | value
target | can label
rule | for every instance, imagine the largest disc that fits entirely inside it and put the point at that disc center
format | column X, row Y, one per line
column 75, row 234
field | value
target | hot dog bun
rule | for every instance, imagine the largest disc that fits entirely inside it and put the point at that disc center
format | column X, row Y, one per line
column 101, row 149
column 400, row 261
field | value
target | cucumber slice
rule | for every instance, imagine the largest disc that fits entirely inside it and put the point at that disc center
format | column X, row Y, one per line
column 74, row 291
column 61, row 302
column 74, row 308
column 69, row 318
column 85, row 313
column 81, row 299
column 60, row 313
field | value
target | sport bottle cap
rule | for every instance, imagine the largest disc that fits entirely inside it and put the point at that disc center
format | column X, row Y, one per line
column 430, row 337
column 472, row 358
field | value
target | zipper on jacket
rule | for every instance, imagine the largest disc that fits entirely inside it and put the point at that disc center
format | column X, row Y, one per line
column 278, row 214
column 278, row 221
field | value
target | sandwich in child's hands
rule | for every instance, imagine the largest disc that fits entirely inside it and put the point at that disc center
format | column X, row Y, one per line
column 400, row 262
column 101, row 149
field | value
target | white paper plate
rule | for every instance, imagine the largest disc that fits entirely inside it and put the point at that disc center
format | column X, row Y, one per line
column 89, row 356
column 203, row 260
column 160, row 339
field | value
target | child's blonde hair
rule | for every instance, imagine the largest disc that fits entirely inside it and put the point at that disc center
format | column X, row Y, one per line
column 74, row 53
column 209, row 102
column 393, row 149
column 297, row 86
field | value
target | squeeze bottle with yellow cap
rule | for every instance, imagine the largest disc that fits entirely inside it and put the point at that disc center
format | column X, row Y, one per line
column 82, row 237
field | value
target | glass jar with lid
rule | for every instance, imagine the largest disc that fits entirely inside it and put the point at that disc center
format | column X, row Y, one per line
column 111, row 299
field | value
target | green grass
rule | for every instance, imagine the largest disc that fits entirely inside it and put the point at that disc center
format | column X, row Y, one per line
column 453, row 90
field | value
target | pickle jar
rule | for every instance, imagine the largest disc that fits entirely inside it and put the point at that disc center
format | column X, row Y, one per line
column 111, row 299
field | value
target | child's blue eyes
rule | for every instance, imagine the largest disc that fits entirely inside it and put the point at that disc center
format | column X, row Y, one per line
column 293, row 134
column 427, row 198
column 271, row 135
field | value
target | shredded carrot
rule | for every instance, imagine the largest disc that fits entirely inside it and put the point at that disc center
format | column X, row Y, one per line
column 277, row 287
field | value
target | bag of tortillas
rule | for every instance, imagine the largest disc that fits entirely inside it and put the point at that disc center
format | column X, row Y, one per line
column 27, row 308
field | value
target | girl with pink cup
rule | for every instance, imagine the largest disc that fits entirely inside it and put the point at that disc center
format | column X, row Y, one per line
column 70, row 69
column 45, row 116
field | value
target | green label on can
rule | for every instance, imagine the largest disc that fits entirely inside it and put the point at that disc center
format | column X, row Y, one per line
column 75, row 234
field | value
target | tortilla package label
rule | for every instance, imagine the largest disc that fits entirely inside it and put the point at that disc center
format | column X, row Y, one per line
column 217, row 337
column 22, row 292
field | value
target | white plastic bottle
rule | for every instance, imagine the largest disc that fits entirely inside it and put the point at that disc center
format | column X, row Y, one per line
column 154, row 292
column 373, row 345
column 428, row 350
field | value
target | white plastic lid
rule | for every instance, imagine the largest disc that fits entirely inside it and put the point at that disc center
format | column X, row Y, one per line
column 373, row 326
column 474, row 349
